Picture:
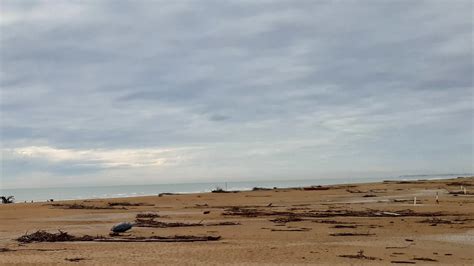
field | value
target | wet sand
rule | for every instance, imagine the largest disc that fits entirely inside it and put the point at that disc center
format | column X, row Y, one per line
column 374, row 223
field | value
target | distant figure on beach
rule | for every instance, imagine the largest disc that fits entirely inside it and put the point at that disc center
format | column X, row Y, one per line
column 437, row 198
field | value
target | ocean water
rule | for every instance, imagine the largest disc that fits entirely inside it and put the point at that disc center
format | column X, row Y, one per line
column 93, row 192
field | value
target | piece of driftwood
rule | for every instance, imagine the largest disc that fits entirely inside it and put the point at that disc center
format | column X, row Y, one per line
column 77, row 259
column 344, row 226
column 360, row 255
column 160, row 224
column 147, row 215
column 43, row 236
column 403, row 261
column 6, row 250
column 316, row 188
column 286, row 219
column 424, row 259
column 76, row 206
column 7, row 200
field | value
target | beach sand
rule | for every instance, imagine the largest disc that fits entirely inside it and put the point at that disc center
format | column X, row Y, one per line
column 318, row 227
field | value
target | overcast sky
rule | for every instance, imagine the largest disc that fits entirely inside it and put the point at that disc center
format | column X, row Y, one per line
column 137, row 92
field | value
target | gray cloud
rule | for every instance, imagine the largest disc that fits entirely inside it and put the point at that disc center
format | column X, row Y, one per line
column 265, row 89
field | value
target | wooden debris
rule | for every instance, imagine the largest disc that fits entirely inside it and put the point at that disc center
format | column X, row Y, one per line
column 147, row 215
column 77, row 259
column 360, row 255
column 286, row 219
column 403, row 261
column 254, row 212
column 316, row 188
column 76, row 206
column 344, row 226
column 424, row 259
column 43, row 236
column 140, row 222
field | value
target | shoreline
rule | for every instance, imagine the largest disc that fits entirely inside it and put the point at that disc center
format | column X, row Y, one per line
column 210, row 187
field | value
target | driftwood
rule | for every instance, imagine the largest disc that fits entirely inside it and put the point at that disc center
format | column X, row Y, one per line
column 74, row 259
column 7, row 200
column 43, row 236
column 344, row 226
column 360, row 255
column 76, row 206
column 424, row 259
column 139, row 222
column 254, row 212
column 316, row 188
column 403, row 261
column 286, row 219
column 147, row 215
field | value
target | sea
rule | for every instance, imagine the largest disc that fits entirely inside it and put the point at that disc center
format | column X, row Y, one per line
column 97, row 192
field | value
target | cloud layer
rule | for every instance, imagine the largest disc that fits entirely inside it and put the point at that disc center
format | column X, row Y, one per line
column 171, row 91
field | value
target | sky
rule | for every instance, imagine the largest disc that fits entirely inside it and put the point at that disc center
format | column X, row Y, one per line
column 146, row 92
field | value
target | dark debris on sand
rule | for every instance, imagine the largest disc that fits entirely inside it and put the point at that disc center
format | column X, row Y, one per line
column 43, row 236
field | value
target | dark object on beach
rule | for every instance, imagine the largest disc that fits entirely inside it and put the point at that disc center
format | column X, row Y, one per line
column 424, row 259
column 287, row 219
column 316, row 188
column 51, row 200
column 260, row 189
column 6, row 250
column 147, row 215
column 360, row 255
column 74, row 259
column 219, row 190
column 7, row 200
column 76, row 206
column 43, row 236
column 166, row 194
column 121, row 227
column 403, row 261
column 206, row 212
column 369, row 196
column 344, row 226
column 159, row 224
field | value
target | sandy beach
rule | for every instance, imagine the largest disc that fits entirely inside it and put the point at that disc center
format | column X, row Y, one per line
column 374, row 223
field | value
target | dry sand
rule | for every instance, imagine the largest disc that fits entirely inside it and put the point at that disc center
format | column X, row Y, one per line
column 386, row 238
